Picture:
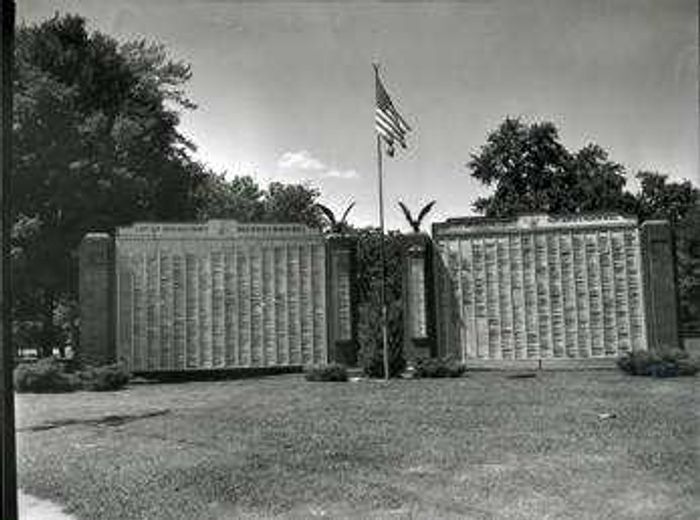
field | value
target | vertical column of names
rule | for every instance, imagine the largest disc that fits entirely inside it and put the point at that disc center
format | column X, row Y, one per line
column 318, row 294
column 257, row 353
column 268, row 305
column 530, row 295
column 218, row 328
column 231, row 310
column 306, row 303
column 505, row 296
column 517, row 288
column 492, row 304
column 244, row 304
column 606, row 278
column 568, row 294
column 555, row 295
column 621, row 296
column 543, row 304
column 166, row 310
column 294, row 304
column 467, row 303
column 634, row 289
column 179, row 311
column 582, row 295
column 281, row 311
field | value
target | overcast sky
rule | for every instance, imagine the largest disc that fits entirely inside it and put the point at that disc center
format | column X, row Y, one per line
column 285, row 89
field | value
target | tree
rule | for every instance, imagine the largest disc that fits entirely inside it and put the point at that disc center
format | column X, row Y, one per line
column 239, row 199
column 688, row 267
column 532, row 171
column 659, row 198
column 242, row 199
column 96, row 145
column 292, row 203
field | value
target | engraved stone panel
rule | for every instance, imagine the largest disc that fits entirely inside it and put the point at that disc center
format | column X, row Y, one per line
column 540, row 286
column 416, row 297
column 220, row 295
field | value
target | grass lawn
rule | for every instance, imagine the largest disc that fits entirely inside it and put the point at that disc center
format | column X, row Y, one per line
column 483, row 446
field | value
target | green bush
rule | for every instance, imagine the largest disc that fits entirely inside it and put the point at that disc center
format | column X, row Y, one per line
column 439, row 367
column 49, row 375
column 369, row 322
column 46, row 375
column 667, row 363
column 105, row 378
column 332, row 372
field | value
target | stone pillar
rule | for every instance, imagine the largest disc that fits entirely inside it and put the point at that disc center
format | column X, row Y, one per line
column 660, row 297
column 96, row 291
column 418, row 301
column 342, row 301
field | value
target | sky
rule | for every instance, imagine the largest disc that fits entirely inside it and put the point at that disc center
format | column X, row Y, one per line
column 285, row 90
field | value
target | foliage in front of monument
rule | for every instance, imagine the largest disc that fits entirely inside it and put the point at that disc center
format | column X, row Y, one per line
column 369, row 326
column 50, row 375
column 532, row 171
column 332, row 372
column 668, row 363
column 47, row 375
column 439, row 367
column 688, row 262
column 105, row 378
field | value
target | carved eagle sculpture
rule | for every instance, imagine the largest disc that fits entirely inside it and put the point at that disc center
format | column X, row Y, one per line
column 336, row 226
column 415, row 223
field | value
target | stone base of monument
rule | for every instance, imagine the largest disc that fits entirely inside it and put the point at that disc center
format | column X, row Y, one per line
column 543, row 364
column 201, row 374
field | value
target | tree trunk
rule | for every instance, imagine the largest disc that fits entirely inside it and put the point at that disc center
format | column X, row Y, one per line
column 48, row 330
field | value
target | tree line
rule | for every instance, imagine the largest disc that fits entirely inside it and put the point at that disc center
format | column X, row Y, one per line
column 97, row 145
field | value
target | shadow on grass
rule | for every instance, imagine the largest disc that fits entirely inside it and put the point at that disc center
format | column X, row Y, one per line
column 107, row 420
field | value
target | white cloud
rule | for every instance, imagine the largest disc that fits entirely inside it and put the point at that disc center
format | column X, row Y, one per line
column 302, row 164
column 342, row 174
column 301, row 160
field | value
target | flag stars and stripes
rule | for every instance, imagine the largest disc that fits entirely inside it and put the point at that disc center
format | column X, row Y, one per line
column 389, row 124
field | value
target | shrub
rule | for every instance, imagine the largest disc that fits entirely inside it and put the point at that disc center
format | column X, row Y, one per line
column 105, row 378
column 332, row 372
column 667, row 363
column 44, row 376
column 439, row 367
column 369, row 322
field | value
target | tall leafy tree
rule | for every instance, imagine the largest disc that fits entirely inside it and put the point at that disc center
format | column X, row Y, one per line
column 293, row 203
column 241, row 198
column 96, row 145
column 531, row 170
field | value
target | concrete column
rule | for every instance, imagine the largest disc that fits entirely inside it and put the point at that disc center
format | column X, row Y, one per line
column 342, row 300
column 658, row 272
column 418, row 298
column 97, row 339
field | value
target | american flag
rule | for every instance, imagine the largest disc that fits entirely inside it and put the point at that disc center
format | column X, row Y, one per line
column 387, row 120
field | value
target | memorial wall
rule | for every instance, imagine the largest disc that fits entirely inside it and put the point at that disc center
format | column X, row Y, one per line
column 224, row 295
column 219, row 295
column 542, row 287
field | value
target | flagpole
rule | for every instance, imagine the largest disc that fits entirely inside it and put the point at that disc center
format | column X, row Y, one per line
column 382, row 252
